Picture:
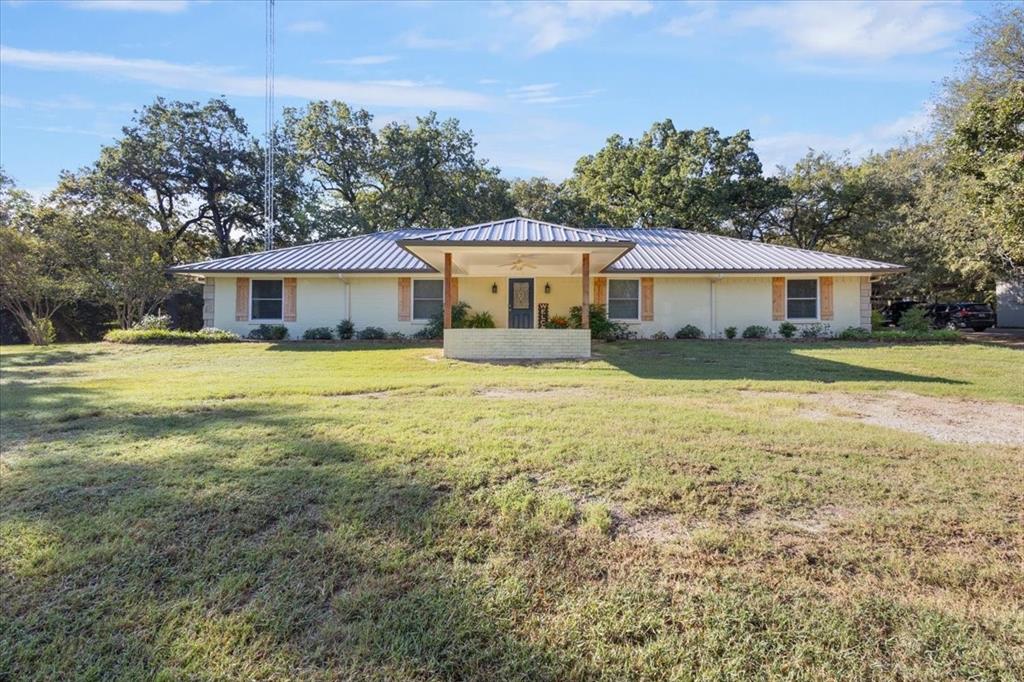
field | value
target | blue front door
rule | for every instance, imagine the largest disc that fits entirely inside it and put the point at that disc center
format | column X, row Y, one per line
column 520, row 303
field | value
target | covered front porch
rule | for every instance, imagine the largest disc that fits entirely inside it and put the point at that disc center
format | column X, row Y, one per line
column 523, row 285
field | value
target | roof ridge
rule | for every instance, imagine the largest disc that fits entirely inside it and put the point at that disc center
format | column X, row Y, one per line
column 466, row 228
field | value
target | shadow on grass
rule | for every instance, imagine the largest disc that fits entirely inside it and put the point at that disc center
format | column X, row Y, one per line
column 738, row 360
column 35, row 357
column 287, row 557
column 321, row 346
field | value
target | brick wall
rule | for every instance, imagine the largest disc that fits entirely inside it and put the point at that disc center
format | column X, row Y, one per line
column 516, row 344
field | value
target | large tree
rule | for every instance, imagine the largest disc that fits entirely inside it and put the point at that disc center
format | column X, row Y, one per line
column 401, row 175
column 696, row 179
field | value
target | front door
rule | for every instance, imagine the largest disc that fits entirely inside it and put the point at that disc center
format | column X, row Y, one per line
column 520, row 303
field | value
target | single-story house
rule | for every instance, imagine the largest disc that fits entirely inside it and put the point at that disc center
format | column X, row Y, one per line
column 524, row 272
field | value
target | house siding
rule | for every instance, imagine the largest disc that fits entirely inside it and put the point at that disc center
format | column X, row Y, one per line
column 709, row 303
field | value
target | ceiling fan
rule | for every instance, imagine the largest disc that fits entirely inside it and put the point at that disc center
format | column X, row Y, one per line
column 519, row 264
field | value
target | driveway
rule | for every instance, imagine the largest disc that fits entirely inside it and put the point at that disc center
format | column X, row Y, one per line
column 1014, row 338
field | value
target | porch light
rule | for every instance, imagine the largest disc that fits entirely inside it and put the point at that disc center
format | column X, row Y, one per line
column 494, row 288
column 547, row 287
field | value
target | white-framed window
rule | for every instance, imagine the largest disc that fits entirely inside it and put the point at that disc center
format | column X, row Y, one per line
column 802, row 299
column 623, row 299
column 427, row 298
column 267, row 299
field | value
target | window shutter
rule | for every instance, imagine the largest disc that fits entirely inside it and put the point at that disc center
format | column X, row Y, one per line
column 778, row 298
column 647, row 299
column 290, row 287
column 825, row 292
column 455, row 290
column 600, row 291
column 404, row 299
column 241, row 299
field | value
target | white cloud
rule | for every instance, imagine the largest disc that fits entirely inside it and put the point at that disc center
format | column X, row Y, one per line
column 223, row 81
column 307, row 27
column 160, row 6
column 551, row 24
column 686, row 25
column 786, row 148
column 366, row 60
column 544, row 93
column 415, row 40
column 871, row 30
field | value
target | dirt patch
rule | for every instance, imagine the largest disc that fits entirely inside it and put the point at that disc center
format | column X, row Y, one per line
column 656, row 528
column 949, row 420
column 359, row 395
column 527, row 393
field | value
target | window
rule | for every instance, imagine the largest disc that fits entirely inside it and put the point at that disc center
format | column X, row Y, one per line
column 266, row 299
column 802, row 299
column 624, row 299
column 427, row 298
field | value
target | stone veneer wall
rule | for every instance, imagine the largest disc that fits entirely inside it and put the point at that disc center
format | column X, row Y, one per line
column 208, row 299
column 865, row 303
column 516, row 344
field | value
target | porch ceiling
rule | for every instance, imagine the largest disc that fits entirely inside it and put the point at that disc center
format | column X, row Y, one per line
column 526, row 260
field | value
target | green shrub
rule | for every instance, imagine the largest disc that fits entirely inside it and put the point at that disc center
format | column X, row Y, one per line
column 660, row 336
column 435, row 328
column 914, row 321
column 397, row 336
column 371, row 334
column 756, row 331
column 730, row 332
column 480, row 320
column 600, row 326
column 787, row 330
column 45, row 333
column 690, row 332
column 877, row 320
column 131, row 336
column 854, row 334
column 269, row 332
column 816, row 331
column 346, row 330
column 318, row 334
column 153, row 322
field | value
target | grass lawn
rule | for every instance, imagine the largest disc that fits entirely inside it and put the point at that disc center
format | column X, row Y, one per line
column 261, row 511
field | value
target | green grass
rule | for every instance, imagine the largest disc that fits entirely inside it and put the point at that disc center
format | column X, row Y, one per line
column 277, row 511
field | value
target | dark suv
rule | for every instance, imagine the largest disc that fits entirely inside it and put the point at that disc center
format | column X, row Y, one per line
column 976, row 316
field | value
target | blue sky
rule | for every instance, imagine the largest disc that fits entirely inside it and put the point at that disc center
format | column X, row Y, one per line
column 539, row 83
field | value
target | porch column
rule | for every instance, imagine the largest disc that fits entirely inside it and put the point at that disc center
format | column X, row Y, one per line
column 585, row 308
column 447, row 291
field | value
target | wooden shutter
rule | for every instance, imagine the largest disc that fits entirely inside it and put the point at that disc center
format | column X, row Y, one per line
column 455, row 290
column 600, row 291
column 778, row 298
column 825, row 289
column 404, row 299
column 241, row 299
column 290, row 295
column 647, row 299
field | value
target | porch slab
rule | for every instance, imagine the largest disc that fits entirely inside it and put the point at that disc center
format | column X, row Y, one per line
column 516, row 344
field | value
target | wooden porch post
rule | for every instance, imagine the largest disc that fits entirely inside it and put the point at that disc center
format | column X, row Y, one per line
column 585, row 308
column 447, row 291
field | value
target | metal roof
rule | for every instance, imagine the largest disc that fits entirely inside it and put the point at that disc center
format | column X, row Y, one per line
column 520, row 231
column 375, row 252
column 655, row 250
column 672, row 250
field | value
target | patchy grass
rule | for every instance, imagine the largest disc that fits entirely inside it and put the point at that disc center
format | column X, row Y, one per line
column 260, row 511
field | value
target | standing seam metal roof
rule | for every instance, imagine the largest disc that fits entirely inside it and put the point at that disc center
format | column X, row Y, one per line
column 656, row 250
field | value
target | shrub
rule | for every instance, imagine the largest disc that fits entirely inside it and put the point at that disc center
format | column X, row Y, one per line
column 153, row 322
column 371, row 334
column 690, row 332
column 787, row 329
column 435, row 328
column 854, row 334
column 816, row 331
column 660, row 336
column 914, row 320
column 318, row 334
column 756, row 331
column 730, row 332
column 269, row 332
column 480, row 320
column 346, row 330
column 131, row 336
column 397, row 336
column 557, row 322
column 600, row 326
column 877, row 320
column 45, row 333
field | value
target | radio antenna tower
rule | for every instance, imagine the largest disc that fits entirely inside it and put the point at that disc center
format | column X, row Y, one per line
column 268, row 161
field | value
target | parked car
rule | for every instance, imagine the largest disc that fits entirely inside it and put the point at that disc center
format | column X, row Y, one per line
column 893, row 311
column 976, row 316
